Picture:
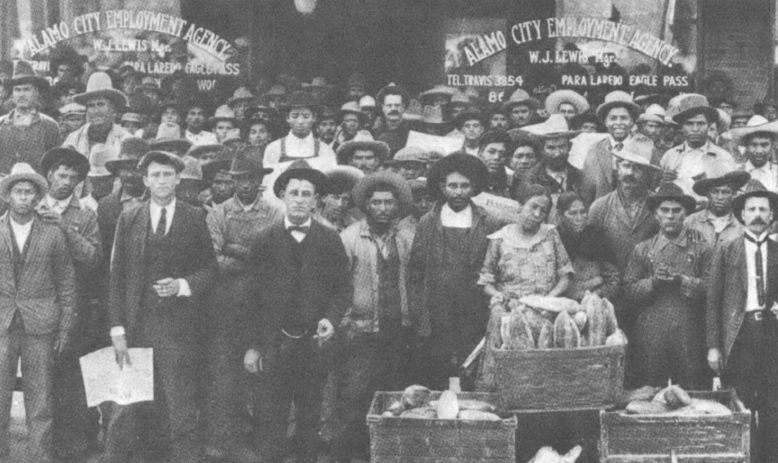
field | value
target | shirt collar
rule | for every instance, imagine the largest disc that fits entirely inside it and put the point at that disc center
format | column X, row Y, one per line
column 306, row 140
column 759, row 238
column 248, row 207
column 466, row 212
column 704, row 148
column 288, row 223
column 748, row 167
column 679, row 240
column 613, row 141
column 18, row 225
column 156, row 209
column 710, row 217
column 364, row 229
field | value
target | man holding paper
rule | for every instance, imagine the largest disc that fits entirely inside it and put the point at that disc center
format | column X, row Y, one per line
column 163, row 261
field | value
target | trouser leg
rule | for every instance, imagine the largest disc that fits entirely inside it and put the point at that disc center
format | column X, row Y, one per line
column 37, row 373
column 10, row 349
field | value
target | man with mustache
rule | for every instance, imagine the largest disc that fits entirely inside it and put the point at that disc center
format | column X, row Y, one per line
column 599, row 177
column 695, row 158
column 716, row 222
column 233, row 225
column 554, row 172
column 665, row 286
column 447, row 308
column 26, row 133
column 493, row 151
column 75, row 426
column 742, row 329
column 758, row 138
column 391, row 128
column 371, row 330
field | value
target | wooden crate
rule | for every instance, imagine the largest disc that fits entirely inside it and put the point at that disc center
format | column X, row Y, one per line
column 652, row 438
column 409, row 440
column 559, row 379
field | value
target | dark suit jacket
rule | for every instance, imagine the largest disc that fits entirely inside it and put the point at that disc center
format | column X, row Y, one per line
column 325, row 281
column 193, row 260
column 46, row 295
column 728, row 290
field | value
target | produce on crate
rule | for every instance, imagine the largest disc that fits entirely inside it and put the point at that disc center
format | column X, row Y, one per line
column 673, row 401
column 566, row 335
column 415, row 404
column 543, row 322
column 549, row 455
column 645, row 393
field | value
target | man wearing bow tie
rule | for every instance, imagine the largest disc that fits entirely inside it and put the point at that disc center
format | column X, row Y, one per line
column 301, row 289
column 742, row 328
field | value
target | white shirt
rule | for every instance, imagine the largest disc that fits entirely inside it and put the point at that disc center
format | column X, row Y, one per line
column 201, row 138
column 692, row 164
column 461, row 219
column 767, row 174
column 296, row 147
column 297, row 235
column 57, row 206
column 613, row 148
column 156, row 212
column 752, row 300
column 21, row 232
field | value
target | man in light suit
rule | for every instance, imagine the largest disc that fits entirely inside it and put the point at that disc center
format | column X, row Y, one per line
column 163, row 262
column 37, row 304
column 742, row 328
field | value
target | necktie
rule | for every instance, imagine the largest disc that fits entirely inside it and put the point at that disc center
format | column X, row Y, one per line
column 162, row 224
column 302, row 229
column 760, row 280
column 618, row 146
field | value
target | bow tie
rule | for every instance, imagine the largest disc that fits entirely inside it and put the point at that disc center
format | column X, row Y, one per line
column 304, row 229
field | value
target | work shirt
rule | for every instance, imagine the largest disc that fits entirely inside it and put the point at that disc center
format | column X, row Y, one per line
column 713, row 228
column 692, row 164
column 27, row 142
column 767, row 174
column 451, row 219
column 201, row 138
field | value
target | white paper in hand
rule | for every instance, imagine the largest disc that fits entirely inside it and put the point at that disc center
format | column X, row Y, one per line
column 443, row 145
column 104, row 381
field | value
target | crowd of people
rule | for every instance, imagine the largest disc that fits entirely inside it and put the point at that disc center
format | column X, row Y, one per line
column 286, row 258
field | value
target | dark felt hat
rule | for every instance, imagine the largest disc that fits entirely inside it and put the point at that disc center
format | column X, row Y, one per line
column 301, row 170
column 23, row 73
column 754, row 189
column 671, row 192
column 132, row 150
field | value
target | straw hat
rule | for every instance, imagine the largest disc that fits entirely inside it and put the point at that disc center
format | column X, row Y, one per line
column 131, row 151
column 21, row 171
column 521, row 97
column 98, row 157
column 638, row 150
column 757, row 124
column 223, row 113
column 689, row 105
column 554, row 127
column 566, row 96
column 241, row 94
column 169, row 138
column 162, row 157
column 72, row 109
column 413, row 113
column 193, row 173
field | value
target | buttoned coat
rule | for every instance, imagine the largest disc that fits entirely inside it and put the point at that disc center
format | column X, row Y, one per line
column 193, row 260
column 728, row 290
column 46, row 292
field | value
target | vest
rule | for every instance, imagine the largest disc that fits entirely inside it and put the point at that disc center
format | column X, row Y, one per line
column 285, row 158
column 157, row 265
column 293, row 321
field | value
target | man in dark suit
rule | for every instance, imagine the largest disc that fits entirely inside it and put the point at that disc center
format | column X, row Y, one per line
column 303, row 288
column 37, row 304
column 75, row 426
column 163, row 262
column 742, row 328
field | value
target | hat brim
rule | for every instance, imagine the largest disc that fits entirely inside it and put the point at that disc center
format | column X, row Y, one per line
column 198, row 150
column 635, row 159
column 118, row 164
column 178, row 145
column 212, row 168
column 346, row 150
column 233, row 100
column 557, row 98
column 162, row 157
column 316, row 177
column 740, row 134
column 740, row 201
column 541, row 137
column 37, row 179
column 54, row 155
column 118, row 98
column 532, row 103
column 99, row 172
column 405, row 200
column 688, row 203
column 737, row 179
column 710, row 113
column 468, row 165
column 633, row 109
column 213, row 120
column 38, row 81
column 651, row 118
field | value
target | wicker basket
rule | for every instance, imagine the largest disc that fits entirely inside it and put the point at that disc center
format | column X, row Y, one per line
column 559, row 379
column 409, row 440
column 652, row 438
